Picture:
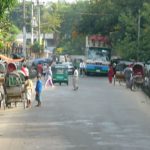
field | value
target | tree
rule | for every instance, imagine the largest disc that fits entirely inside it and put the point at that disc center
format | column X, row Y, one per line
column 145, row 32
column 8, row 32
column 16, row 16
column 125, row 42
column 118, row 19
column 6, row 5
column 100, row 17
column 70, row 39
column 36, row 47
column 50, row 20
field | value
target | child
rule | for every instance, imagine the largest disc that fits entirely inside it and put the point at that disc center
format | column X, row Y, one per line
column 28, row 90
column 38, row 90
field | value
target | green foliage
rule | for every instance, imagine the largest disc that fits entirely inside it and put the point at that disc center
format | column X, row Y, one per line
column 73, row 45
column 71, row 14
column 6, row 28
column 36, row 47
column 100, row 17
column 50, row 19
column 16, row 16
column 8, row 32
column 5, row 5
column 118, row 19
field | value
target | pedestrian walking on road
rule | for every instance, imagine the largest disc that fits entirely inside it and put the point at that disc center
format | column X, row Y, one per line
column 75, row 79
column 128, row 74
column 110, row 74
column 28, row 86
column 40, row 69
column 38, row 90
column 49, row 77
column 44, row 70
column 82, row 68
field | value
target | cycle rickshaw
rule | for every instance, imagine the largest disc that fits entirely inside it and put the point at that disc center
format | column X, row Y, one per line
column 138, row 75
column 13, row 86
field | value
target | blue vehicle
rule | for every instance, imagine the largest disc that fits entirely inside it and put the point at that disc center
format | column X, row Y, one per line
column 40, row 61
column 98, row 54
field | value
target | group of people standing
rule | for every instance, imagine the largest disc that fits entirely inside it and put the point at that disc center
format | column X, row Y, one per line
column 127, row 74
column 44, row 70
column 28, row 85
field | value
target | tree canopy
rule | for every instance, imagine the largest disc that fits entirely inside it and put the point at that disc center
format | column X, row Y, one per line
column 126, row 23
column 7, row 29
column 5, row 5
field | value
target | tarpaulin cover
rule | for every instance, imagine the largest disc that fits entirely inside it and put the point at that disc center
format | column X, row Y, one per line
column 8, row 60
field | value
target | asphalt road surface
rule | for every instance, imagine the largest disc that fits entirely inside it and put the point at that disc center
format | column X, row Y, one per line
column 99, row 116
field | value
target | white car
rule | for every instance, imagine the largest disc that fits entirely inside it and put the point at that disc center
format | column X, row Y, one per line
column 69, row 66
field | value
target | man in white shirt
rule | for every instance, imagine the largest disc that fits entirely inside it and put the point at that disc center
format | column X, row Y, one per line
column 82, row 68
column 75, row 79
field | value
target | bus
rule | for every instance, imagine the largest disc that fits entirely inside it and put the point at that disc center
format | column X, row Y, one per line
column 98, row 54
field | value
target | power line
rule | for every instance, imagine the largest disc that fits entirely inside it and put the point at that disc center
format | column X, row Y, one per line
column 87, row 13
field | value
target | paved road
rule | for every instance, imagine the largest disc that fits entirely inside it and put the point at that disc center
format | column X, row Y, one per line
column 98, row 116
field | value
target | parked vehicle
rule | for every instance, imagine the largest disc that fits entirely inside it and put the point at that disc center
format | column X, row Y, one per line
column 40, row 60
column 13, row 88
column 138, row 75
column 69, row 66
column 119, row 71
column 60, row 74
column 146, row 87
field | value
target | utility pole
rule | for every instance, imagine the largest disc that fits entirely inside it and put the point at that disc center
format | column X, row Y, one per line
column 32, row 22
column 139, row 34
column 39, row 21
column 24, row 30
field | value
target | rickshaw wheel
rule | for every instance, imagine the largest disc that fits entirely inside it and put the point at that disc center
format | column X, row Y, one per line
column 8, row 104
